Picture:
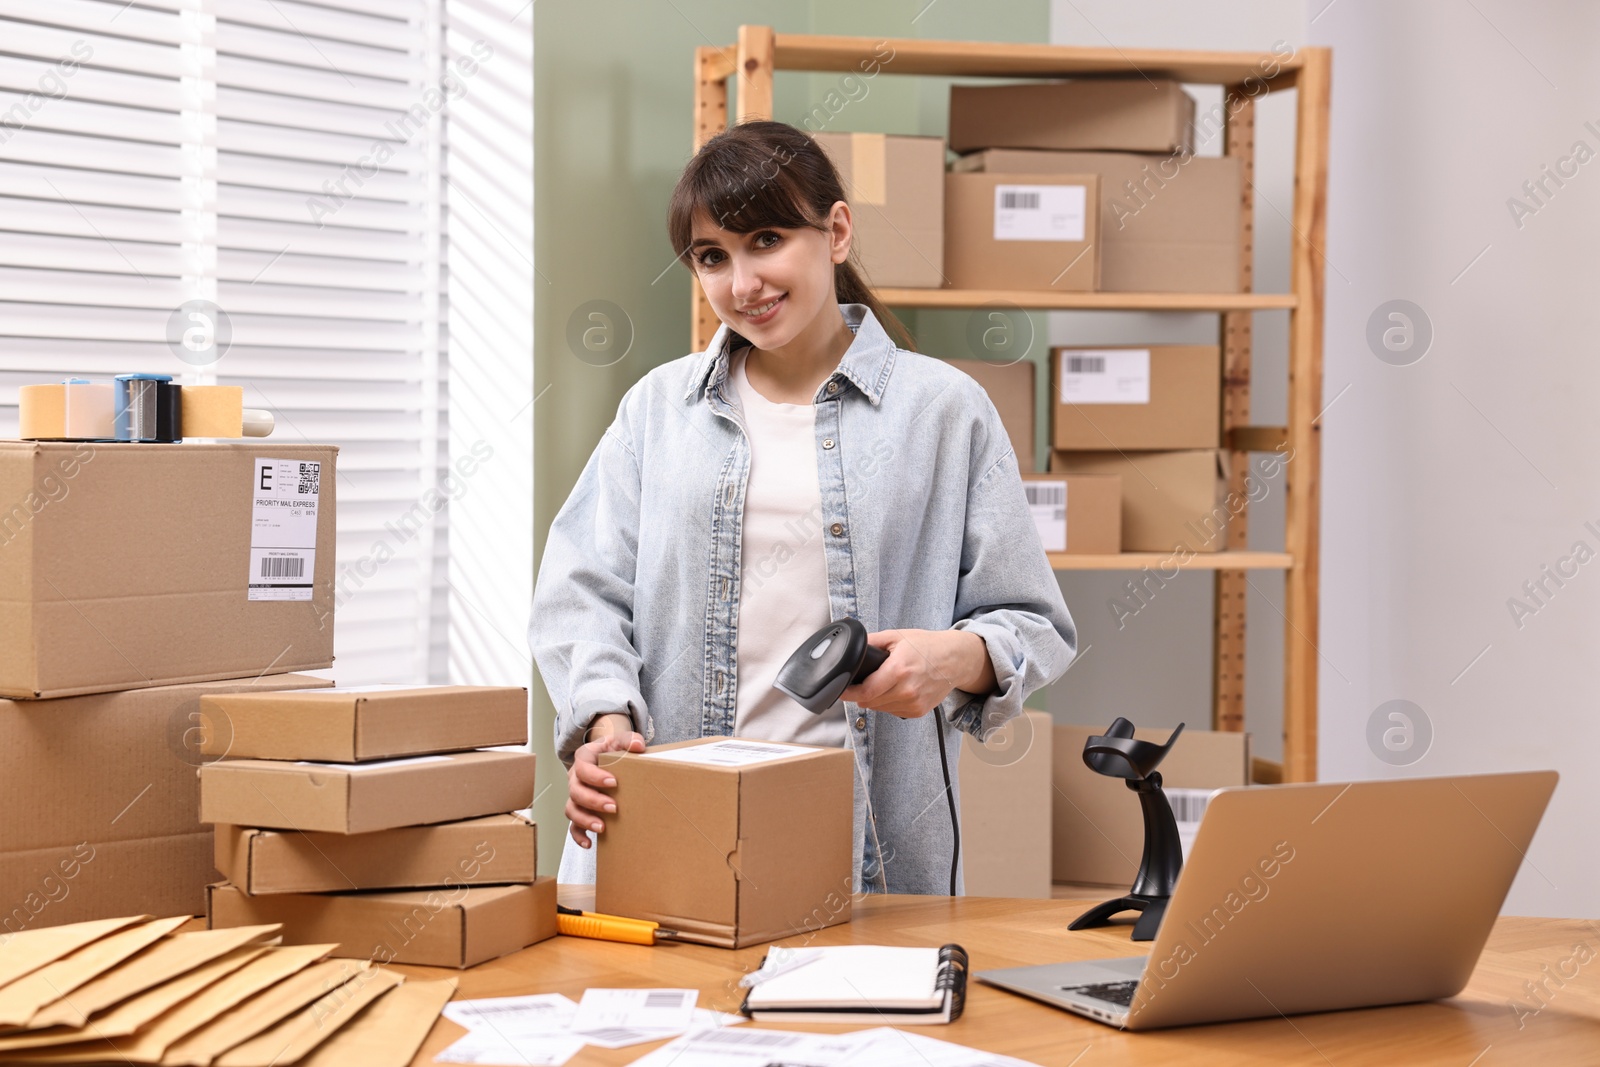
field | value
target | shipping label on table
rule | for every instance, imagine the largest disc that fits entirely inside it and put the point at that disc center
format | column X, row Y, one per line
column 1105, row 376
column 1047, row 500
column 1039, row 212
column 283, row 528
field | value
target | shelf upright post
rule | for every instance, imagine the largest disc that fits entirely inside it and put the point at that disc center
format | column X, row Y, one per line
column 712, row 69
column 1230, row 586
column 1302, row 483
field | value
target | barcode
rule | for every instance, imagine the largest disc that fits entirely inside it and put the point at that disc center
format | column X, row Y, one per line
column 1046, row 494
column 1019, row 200
column 767, row 1038
column 283, row 567
column 310, row 478
column 1188, row 805
column 667, row 998
column 1086, row 364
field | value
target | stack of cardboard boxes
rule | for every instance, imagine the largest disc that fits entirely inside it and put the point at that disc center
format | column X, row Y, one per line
column 134, row 581
column 327, row 795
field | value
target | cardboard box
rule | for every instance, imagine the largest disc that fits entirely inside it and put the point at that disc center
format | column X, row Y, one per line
column 729, row 854
column 1011, row 389
column 1022, row 231
column 100, row 806
column 124, row 566
column 1005, row 810
column 457, row 927
column 1136, row 397
column 1095, row 114
column 1076, row 513
column 364, row 722
column 355, row 798
column 1171, row 501
column 493, row 850
column 896, row 190
column 1168, row 224
column 1098, row 825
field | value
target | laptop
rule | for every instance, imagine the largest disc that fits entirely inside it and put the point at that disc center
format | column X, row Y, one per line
column 1317, row 897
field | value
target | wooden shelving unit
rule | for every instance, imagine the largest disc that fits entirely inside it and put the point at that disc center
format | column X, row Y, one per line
column 751, row 62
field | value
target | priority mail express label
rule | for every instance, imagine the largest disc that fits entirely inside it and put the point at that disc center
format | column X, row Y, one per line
column 283, row 528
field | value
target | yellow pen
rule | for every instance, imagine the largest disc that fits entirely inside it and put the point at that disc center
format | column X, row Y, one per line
column 575, row 923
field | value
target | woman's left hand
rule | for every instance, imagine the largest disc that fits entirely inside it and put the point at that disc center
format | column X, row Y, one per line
column 922, row 668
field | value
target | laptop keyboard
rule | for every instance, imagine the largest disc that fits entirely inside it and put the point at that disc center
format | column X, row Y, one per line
column 1120, row 993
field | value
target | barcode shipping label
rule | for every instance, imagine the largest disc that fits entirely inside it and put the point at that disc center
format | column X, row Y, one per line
column 1040, row 212
column 1105, row 376
column 731, row 753
column 1188, row 808
column 283, row 528
column 1047, row 500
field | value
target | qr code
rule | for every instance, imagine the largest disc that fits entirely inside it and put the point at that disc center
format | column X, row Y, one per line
column 310, row 479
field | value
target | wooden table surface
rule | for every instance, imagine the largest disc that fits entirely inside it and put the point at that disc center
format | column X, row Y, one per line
column 1477, row 1029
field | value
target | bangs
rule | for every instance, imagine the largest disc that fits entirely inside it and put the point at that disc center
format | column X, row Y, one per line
column 741, row 186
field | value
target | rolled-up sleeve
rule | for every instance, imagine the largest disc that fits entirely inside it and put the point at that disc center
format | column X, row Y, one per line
column 1007, row 594
column 581, row 632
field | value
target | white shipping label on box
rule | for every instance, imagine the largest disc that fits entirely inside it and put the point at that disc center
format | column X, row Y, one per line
column 1048, row 502
column 1039, row 212
column 731, row 753
column 374, row 765
column 1105, row 376
column 283, row 528
column 1188, row 808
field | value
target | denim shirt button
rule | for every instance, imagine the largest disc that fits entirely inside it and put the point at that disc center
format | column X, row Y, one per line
column 837, row 529
column 827, row 442
column 833, row 387
column 861, row 722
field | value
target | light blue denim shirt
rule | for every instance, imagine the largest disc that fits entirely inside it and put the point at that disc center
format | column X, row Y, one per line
column 925, row 526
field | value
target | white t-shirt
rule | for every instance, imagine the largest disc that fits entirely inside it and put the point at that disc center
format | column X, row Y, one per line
column 783, row 585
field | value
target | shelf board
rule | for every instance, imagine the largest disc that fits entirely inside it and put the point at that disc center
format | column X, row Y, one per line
column 986, row 59
column 1164, row 561
column 1049, row 300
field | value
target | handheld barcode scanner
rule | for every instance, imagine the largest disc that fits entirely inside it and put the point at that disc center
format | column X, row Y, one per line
column 835, row 658
column 831, row 660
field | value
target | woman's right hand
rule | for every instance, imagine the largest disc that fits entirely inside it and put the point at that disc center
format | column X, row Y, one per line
column 586, row 804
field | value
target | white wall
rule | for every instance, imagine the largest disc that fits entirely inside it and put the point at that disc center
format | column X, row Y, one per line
column 1452, row 481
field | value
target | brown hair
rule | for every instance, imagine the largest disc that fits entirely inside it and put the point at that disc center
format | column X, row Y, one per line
column 762, row 174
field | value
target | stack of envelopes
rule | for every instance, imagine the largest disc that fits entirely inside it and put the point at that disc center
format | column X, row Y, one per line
column 381, row 818
column 138, row 990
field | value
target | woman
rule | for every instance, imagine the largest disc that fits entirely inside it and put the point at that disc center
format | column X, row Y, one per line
column 802, row 469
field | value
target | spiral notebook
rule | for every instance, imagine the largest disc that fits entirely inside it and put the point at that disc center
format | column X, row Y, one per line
column 865, row 983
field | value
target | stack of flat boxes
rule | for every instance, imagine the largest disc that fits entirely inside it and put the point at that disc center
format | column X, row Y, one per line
column 383, row 818
column 133, row 583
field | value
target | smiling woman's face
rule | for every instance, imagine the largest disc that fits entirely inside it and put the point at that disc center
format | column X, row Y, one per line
column 769, row 284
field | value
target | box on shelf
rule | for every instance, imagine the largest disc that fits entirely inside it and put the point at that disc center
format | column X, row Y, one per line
column 364, row 722
column 454, row 927
column 730, row 842
column 354, row 798
column 1093, row 114
column 895, row 186
column 1144, row 397
column 1168, row 224
column 1005, row 810
column 1098, row 824
column 1171, row 501
column 100, row 807
column 492, row 850
column 1022, row 231
column 124, row 566
column 1011, row 389
column 1076, row 513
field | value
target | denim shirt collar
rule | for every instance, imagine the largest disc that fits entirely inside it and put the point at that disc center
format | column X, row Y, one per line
column 867, row 363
